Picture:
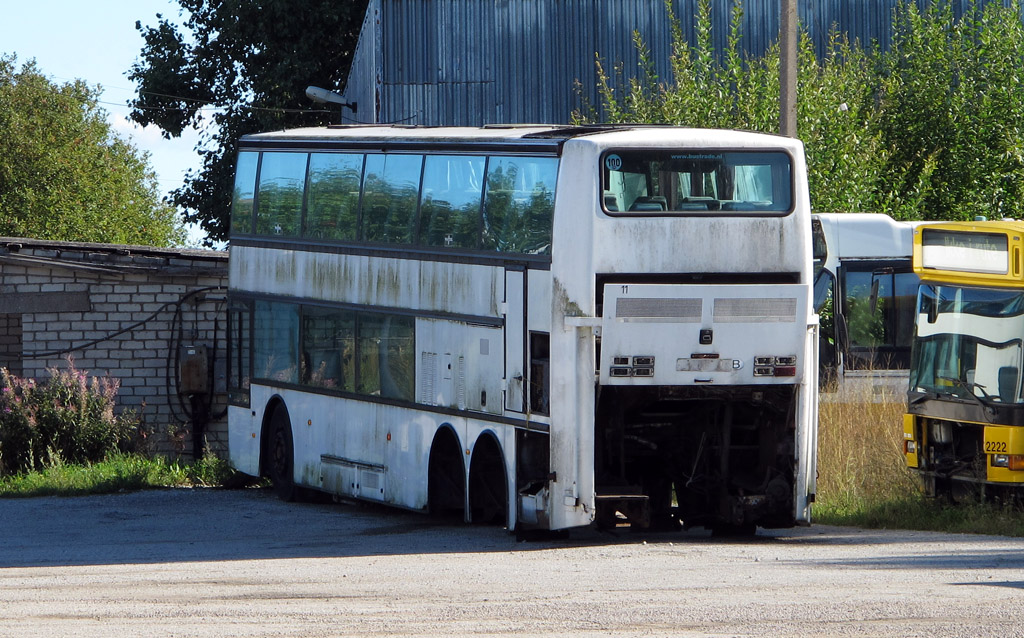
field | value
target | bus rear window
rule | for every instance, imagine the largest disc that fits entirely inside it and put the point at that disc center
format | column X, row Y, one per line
column 658, row 182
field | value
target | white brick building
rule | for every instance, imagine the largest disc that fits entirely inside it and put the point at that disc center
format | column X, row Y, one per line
column 126, row 312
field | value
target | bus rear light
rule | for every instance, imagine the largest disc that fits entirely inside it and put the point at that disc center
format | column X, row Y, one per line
column 910, row 447
column 620, row 361
column 783, row 366
column 647, row 361
column 643, row 372
column 620, row 372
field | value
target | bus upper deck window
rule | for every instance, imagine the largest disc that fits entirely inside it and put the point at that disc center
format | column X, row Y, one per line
column 332, row 210
column 657, row 181
column 244, row 195
column 519, row 201
column 281, row 188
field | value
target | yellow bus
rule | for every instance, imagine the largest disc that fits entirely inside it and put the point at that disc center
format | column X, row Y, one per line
column 964, row 426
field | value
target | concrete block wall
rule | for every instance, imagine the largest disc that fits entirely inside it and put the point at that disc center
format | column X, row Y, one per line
column 121, row 311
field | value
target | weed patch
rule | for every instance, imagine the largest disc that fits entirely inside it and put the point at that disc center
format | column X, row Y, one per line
column 117, row 473
column 863, row 480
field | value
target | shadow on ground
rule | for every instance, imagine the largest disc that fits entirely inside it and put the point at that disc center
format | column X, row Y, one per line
column 191, row 525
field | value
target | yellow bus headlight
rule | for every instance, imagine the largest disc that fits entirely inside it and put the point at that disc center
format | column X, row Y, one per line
column 1013, row 462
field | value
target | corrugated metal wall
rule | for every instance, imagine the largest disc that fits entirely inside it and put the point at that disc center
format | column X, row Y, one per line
column 473, row 62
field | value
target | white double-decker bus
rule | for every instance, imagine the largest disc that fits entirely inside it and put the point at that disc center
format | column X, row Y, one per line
column 540, row 327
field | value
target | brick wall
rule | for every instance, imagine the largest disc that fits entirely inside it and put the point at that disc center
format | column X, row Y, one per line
column 10, row 341
column 122, row 311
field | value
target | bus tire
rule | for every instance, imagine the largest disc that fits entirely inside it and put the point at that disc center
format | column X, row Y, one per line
column 446, row 476
column 488, row 487
column 281, row 451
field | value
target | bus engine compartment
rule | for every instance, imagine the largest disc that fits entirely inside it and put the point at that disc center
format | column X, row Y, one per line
column 700, row 391
column 720, row 458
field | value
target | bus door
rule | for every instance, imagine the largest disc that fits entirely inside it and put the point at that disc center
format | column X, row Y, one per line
column 515, row 338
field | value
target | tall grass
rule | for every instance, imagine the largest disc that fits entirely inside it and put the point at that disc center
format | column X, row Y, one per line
column 863, row 479
column 116, row 473
column 860, row 452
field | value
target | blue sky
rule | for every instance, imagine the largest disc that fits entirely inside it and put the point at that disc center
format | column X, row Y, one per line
column 97, row 42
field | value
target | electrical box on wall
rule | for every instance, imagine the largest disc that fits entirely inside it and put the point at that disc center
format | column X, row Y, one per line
column 193, row 370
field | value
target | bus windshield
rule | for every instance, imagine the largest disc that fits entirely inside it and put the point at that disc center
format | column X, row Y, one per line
column 649, row 182
column 968, row 343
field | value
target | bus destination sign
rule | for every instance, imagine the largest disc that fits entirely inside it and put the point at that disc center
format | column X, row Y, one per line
column 965, row 251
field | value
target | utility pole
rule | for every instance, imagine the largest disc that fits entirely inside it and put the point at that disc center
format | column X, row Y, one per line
column 787, row 67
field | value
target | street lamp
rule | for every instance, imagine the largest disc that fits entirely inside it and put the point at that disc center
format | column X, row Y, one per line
column 323, row 96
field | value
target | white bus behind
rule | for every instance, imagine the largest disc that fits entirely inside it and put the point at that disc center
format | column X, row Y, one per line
column 865, row 291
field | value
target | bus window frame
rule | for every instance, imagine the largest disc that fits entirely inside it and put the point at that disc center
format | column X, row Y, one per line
column 887, row 356
column 251, row 236
column 696, row 213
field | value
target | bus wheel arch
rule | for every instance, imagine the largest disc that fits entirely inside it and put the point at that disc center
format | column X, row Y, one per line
column 488, row 482
column 446, row 475
column 277, row 449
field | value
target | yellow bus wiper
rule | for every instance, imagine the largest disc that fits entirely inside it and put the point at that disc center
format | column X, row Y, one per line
column 985, row 403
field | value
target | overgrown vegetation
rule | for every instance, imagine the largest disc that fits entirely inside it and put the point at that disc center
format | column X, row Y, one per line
column 116, row 473
column 61, row 436
column 69, row 418
column 863, row 480
column 933, row 128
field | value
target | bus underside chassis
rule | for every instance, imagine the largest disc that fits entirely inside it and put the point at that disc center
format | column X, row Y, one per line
column 953, row 463
column 720, row 458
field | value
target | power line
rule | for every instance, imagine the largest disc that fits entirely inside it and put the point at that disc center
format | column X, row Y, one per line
column 181, row 98
column 213, row 108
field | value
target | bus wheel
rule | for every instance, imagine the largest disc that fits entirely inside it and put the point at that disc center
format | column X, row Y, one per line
column 446, row 476
column 488, row 489
column 281, row 454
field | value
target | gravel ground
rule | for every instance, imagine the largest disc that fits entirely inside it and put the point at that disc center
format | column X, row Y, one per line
column 240, row 563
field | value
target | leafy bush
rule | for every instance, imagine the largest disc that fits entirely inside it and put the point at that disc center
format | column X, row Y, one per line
column 67, row 419
column 933, row 128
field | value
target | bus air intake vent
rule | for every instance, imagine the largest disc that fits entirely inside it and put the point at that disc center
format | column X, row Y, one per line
column 658, row 309
column 755, row 310
column 428, row 375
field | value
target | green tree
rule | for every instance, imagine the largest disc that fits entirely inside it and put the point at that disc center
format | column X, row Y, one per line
column 930, row 129
column 245, row 65
column 952, row 109
column 65, row 175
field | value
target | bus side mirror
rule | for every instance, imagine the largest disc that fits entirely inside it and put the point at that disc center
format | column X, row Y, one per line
column 875, row 279
column 842, row 338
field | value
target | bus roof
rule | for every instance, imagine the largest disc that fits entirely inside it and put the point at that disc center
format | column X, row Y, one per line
column 539, row 136
column 866, row 235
